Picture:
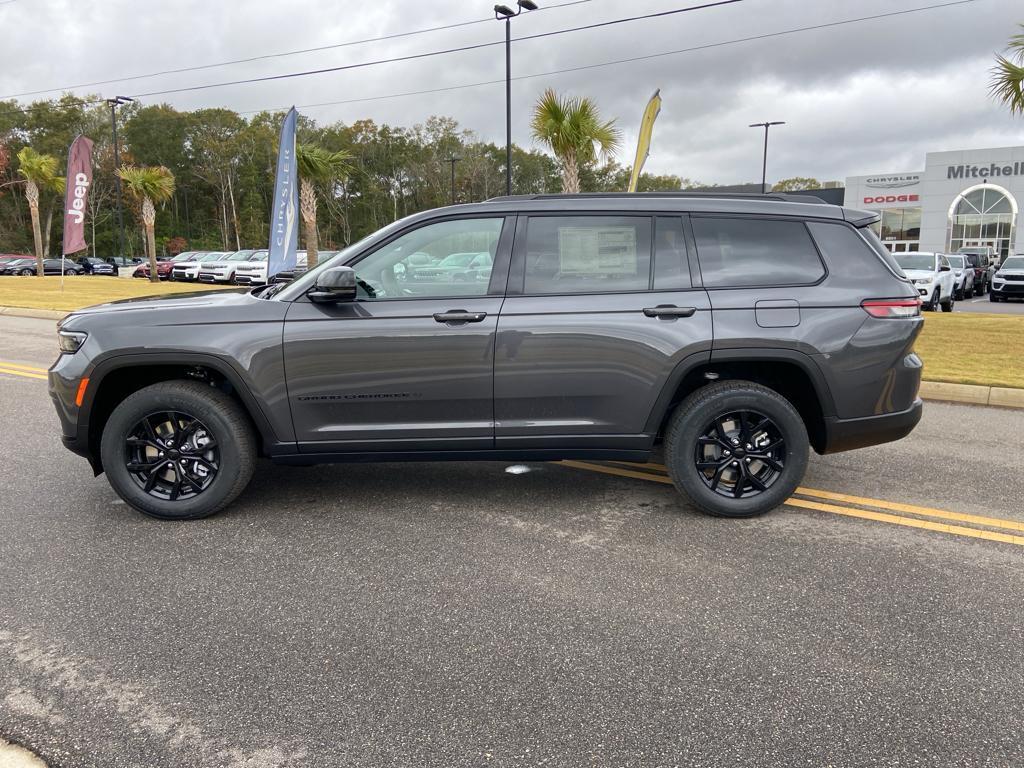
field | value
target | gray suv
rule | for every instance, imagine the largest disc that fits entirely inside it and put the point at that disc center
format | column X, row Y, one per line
column 731, row 333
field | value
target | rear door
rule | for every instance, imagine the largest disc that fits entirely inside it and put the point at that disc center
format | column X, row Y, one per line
column 601, row 309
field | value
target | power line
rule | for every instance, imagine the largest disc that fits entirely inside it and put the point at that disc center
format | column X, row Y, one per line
column 629, row 60
column 430, row 54
column 281, row 54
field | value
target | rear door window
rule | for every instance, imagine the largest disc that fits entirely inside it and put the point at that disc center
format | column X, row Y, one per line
column 751, row 252
column 587, row 254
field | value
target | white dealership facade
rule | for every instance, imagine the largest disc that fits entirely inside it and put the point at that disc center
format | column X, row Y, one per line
column 962, row 198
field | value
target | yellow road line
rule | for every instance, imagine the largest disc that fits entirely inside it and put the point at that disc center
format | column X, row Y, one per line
column 994, row 522
column 615, row 471
column 910, row 522
column 26, row 374
column 22, row 366
column 867, row 514
column 657, row 467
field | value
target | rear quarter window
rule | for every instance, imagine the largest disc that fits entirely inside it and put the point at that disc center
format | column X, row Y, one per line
column 851, row 253
column 740, row 252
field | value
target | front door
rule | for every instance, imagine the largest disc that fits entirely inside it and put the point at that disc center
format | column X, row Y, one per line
column 601, row 311
column 409, row 365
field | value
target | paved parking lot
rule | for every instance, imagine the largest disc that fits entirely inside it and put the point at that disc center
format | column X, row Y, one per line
column 460, row 614
column 984, row 304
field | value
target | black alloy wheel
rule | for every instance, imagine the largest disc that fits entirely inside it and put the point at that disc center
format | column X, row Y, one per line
column 172, row 455
column 740, row 454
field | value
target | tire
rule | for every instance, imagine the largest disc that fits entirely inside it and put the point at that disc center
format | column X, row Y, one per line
column 685, row 440
column 983, row 288
column 69, row 273
column 993, row 298
column 220, row 418
column 947, row 305
column 970, row 292
column 933, row 303
column 26, row 272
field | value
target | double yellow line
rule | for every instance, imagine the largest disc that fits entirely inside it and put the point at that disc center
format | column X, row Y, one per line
column 27, row 371
column 879, row 510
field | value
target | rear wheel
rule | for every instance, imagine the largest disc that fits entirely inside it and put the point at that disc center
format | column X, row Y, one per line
column 26, row 272
column 178, row 450
column 736, row 449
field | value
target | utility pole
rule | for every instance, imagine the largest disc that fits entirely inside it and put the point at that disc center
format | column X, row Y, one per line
column 506, row 14
column 453, row 160
column 764, row 161
column 114, row 103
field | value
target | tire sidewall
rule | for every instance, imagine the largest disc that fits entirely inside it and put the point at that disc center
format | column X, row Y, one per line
column 194, row 402
column 679, row 457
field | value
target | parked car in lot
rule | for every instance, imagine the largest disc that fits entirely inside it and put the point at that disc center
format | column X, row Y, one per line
column 22, row 266
column 124, row 261
column 7, row 258
column 254, row 271
column 592, row 337
column 287, row 275
column 222, row 270
column 50, row 267
column 983, row 261
column 1008, row 282
column 163, row 267
column 96, row 266
column 933, row 277
column 963, row 276
column 187, row 270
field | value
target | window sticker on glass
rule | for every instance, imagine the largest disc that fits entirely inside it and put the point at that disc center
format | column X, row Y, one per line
column 597, row 250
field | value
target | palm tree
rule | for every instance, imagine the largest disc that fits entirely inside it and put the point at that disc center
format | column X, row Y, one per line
column 39, row 172
column 317, row 167
column 1007, row 83
column 574, row 131
column 149, row 185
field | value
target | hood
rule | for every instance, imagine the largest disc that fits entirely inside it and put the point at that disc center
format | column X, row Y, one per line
column 918, row 274
column 182, row 303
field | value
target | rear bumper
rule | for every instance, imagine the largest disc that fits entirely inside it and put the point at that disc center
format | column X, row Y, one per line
column 849, row 434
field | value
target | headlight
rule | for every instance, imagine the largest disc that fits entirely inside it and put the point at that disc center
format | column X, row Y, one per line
column 70, row 341
column 923, row 281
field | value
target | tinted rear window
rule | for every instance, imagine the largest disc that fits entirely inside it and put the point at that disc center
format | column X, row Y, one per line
column 736, row 252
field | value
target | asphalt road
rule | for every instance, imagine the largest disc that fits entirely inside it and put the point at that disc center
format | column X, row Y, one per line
column 462, row 615
column 984, row 304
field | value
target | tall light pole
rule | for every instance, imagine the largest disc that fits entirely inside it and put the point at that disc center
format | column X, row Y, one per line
column 114, row 103
column 453, row 160
column 506, row 14
column 764, row 162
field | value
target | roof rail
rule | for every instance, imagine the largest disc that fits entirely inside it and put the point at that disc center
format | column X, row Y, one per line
column 776, row 196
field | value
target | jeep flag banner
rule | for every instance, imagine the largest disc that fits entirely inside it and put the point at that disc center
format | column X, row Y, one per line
column 284, row 230
column 76, row 192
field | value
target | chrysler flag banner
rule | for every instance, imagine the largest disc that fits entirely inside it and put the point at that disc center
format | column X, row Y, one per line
column 284, row 232
column 76, row 193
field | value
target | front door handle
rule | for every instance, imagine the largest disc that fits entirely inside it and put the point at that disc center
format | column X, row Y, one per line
column 459, row 316
column 669, row 310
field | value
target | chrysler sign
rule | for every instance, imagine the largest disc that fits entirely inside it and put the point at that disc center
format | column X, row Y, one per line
column 893, row 182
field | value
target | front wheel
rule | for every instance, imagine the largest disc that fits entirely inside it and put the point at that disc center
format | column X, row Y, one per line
column 736, row 449
column 69, row 273
column 178, row 450
column 993, row 298
column 947, row 304
column 26, row 272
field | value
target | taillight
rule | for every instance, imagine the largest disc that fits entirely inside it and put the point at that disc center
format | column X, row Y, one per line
column 892, row 307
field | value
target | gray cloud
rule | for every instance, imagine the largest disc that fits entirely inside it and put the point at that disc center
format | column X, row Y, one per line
column 860, row 98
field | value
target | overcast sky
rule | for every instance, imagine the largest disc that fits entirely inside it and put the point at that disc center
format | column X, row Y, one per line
column 865, row 97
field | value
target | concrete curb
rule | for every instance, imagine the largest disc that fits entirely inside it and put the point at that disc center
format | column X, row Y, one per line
column 1002, row 397
column 43, row 314
column 13, row 756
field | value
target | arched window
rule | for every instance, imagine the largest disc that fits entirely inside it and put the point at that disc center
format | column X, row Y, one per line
column 983, row 215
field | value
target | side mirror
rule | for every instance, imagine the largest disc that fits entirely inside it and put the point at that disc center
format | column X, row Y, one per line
column 334, row 285
column 944, row 268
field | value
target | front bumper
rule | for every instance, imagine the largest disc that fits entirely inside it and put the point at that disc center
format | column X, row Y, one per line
column 1008, row 289
column 849, row 434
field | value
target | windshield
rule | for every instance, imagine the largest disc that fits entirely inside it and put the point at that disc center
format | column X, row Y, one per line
column 956, row 261
column 923, row 261
column 1014, row 262
column 211, row 256
column 239, row 256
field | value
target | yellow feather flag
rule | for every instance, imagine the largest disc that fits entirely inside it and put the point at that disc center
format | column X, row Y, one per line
column 643, row 143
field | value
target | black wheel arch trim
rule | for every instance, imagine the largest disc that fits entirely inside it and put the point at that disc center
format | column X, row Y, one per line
column 739, row 355
column 105, row 366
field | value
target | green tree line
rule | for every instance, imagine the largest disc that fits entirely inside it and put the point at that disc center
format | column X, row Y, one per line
column 223, row 168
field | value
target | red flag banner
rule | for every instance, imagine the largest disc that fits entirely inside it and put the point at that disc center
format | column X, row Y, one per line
column 76, row 194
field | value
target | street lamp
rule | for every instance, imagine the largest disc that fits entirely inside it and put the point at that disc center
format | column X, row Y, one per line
column 506, row 14
column 114, row 103
column 764, row 162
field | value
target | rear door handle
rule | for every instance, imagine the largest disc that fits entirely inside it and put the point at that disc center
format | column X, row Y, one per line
column 669, row 310
column 459, row 316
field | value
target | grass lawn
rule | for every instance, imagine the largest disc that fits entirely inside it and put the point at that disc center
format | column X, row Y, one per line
column 972, row 348
column 83, row 290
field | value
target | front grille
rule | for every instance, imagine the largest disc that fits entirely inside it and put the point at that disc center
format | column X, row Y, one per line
column 1012, row 289
column 1016, row 278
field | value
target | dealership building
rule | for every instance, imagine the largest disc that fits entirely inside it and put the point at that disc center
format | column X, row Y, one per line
column 963, row 198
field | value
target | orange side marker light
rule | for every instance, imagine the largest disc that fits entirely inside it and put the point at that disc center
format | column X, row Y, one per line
column 80, row 396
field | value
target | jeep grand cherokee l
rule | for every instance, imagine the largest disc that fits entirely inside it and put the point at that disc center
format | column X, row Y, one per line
column 733, row 333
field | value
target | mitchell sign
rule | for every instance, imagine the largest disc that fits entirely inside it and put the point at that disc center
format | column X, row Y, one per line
column 983, row 172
